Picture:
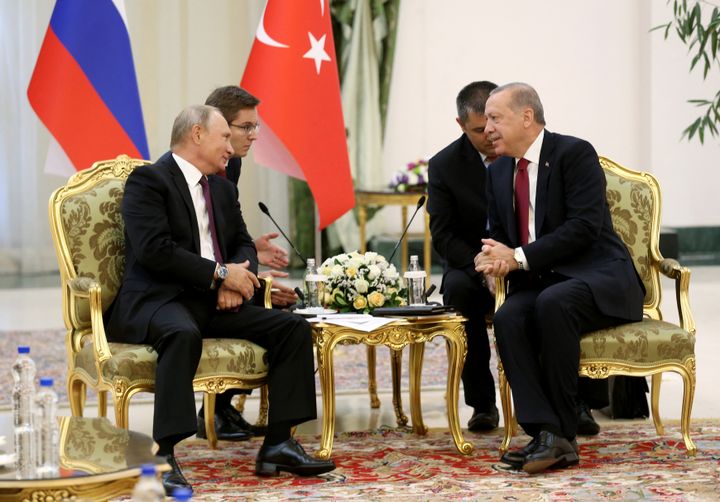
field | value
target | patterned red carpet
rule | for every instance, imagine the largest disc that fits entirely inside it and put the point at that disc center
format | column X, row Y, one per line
column 625, row 462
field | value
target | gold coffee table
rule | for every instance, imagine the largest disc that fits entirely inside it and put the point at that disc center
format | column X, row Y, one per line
column 405, row 331
column 98, row 461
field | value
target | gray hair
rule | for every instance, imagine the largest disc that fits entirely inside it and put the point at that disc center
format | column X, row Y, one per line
column 186, row 119
column 523, row 96
column 472, row 98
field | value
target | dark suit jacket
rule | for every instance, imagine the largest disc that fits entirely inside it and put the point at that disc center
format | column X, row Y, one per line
column 457, row 205
column 574, row 231
column 232, row 172
column 162, row 244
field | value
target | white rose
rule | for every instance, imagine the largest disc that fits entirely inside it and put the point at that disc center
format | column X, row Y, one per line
column 337, row 271
column 371, row 257
column 361, row 285
column 354, row 262
column 373, row 272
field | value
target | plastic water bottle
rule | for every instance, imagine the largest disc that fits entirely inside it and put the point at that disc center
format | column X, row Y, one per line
column 48, row 431
column 23, row 395
column 415, row 282
column 314, row 286
column 148, row 488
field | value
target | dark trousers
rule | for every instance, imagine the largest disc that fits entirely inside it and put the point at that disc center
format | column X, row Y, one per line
column 176, row 332
column 538, row 332
column 474, row 301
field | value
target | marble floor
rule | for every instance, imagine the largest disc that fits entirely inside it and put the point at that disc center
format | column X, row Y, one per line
column 38, row 308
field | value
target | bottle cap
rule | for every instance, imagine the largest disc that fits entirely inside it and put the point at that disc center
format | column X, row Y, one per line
column 23, row 349
column 148, row 470
column 182, row 493
column 46, row 382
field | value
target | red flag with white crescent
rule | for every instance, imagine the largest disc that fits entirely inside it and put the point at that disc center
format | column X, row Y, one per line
column 293, row 71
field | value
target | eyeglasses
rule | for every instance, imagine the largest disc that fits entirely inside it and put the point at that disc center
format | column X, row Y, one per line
column 247, row 129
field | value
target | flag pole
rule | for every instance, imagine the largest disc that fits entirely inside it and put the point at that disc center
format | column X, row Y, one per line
column 318, row 235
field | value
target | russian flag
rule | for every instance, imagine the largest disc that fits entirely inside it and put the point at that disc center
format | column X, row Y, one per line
column 84, row 88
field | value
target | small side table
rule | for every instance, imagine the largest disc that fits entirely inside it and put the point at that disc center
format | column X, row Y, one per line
column 410, row 331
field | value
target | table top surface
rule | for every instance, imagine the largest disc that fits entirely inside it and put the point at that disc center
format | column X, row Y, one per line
column 91, row 448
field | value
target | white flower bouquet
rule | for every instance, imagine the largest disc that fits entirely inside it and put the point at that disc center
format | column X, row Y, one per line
column 361, row 282
column 413, row 178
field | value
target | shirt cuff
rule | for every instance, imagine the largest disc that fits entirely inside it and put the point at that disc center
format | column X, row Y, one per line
column 520, row 259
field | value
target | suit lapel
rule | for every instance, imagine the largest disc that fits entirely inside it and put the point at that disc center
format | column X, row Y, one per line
column 541, row 189
column 504, row 169
column 184, row 191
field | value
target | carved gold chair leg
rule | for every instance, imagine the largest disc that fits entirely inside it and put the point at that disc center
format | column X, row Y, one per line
column 507, row 410
column 396, row 371
column 326, row 370
column 688, row 377
column 209, row 412
column 240, row 402
column 417, row 351
column 263, row 412
column 457, row 348
column 372, row 381
column 655, row 403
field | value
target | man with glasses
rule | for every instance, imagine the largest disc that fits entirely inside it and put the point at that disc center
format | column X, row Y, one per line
column 239, row 108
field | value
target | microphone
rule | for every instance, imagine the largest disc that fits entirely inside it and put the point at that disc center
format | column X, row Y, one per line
column 419, row 205
column 265, row 210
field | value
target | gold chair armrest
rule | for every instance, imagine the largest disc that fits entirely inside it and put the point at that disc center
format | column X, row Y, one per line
column 500, row 291
column 266, row 288
column 672, row 269
column 89, row 289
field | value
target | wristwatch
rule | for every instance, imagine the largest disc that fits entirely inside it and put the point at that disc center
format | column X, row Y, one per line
column 222, row 272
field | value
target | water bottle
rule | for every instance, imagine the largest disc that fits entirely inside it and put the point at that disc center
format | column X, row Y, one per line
column 148, row 488
column 23, row 395
column 415, row 282
column 48, row 431
column 314, row 285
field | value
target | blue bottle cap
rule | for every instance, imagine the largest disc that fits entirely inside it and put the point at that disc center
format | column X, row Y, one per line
column 46, row 382
column 23, row 349
column 182, row 493
column 148, row 469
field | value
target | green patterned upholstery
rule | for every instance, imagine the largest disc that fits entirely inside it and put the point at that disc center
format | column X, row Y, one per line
column 88, row 234
column 651, row 346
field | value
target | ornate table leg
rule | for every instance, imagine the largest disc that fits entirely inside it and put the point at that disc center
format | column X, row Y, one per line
column 372, row 381
column 457, row 348
column 417, row 350
column 327, row 383
column 396, row 367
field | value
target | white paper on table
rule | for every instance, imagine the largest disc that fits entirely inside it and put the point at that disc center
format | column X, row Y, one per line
column 361, row 322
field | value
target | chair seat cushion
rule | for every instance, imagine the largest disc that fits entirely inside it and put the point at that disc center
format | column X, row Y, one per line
column 220, row 357
column 647, row 342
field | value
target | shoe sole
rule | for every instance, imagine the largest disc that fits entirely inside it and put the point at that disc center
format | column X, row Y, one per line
column 202, row 435
column 536, row 466
column 270, row 469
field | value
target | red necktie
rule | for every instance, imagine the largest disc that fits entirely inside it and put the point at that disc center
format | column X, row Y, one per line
column 522, row 201
column 208, row 205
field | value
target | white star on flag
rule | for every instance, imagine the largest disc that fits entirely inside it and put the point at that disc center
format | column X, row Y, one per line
column 317, row 51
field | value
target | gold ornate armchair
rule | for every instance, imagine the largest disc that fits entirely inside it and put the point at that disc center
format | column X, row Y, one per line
column 87, row 230
column 651, row 346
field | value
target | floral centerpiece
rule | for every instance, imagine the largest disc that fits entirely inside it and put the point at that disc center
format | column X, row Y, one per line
column 413, row 178
column 361, row 282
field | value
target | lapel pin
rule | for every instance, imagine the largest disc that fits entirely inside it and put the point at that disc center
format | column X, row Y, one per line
column 547, row 164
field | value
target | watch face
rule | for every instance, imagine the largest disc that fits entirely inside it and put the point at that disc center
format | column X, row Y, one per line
column 223, row 272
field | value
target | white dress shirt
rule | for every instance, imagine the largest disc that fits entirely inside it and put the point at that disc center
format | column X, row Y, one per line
column 192, row 178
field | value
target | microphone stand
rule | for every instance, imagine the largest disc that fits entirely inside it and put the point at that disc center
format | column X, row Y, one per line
column 420, row 203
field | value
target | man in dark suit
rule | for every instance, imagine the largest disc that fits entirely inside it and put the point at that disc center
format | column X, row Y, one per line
column 238, row 107
column 569, row 273
column 458, row 223
column 189, row 274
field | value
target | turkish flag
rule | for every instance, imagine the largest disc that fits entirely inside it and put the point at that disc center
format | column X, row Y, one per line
column 292, row 70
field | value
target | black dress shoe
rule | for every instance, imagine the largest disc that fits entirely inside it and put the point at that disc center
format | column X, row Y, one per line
column 484, row 420
column 174, row 478
column 239, row 420
column 225, row 428
column 516, row 459
column 289, row 456
column 587, row 426
column 550, row 451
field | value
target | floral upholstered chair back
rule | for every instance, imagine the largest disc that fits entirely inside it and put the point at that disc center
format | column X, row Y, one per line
column 89, row 233
column 634, row 200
